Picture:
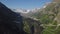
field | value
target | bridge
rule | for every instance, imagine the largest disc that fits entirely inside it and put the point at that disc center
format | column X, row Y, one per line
column 35, row 23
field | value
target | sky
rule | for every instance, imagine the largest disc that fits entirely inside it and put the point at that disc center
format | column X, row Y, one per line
column 25, row 4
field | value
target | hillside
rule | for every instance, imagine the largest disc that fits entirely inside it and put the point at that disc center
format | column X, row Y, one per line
column 50, row 17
